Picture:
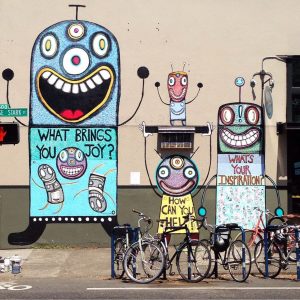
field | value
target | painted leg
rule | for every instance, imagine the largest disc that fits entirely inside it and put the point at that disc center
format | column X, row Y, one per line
column 29, row 236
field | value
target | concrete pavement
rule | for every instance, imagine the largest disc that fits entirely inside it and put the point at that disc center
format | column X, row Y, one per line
column 74, row 263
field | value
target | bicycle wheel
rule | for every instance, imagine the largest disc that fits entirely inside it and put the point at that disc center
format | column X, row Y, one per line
column 143, row 264
column 119, row 252
column 239, row 261
column 274, row 259
column 251, row 240
column 193, row 261
column 212, row 255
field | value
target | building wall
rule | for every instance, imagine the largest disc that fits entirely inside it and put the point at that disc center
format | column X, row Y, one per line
column 218, row 40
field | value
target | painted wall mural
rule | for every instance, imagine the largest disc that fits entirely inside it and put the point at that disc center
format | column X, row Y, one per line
column 177, row 86
column 177, row 176
column 74, row 102
column 241, row 164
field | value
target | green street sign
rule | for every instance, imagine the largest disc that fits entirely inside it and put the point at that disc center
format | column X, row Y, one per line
column 13, row 112
column 4, row 106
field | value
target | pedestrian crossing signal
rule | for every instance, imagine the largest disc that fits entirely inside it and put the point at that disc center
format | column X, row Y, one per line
column 9, row 133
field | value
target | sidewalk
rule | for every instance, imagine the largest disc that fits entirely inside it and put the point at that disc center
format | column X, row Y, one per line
column 93, row 263
column 69, row 262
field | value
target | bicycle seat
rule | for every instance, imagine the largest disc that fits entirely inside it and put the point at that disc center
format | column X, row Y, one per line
column 274, row 227
column 232, row 225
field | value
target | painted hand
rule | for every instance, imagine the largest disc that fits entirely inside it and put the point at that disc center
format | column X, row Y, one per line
column 142, row 128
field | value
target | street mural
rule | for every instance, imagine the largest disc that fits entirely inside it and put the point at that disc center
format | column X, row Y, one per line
column 177, row 86
column 241, row 164
column 74, row 102
column 177, row 176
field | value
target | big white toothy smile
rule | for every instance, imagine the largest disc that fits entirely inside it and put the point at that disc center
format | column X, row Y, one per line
column 74, row 100
column 76, row 88
column 71, row 171
column 241, row 140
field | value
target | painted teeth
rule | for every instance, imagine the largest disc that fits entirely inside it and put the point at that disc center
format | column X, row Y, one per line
column 240, row 140
column 52, row 79
column 75, row 88
column 46, row 74
column 71, row 171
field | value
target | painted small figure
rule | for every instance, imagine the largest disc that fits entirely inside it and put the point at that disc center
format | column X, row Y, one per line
column 53, row 187
column 177, row 88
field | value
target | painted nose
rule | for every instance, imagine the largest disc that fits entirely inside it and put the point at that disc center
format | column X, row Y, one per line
column 76, row 61
column 71, row 162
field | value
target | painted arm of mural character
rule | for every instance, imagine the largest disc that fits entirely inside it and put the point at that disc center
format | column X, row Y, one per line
column 210, row 130
column 142, row 127
column 8, row 75
column 157, row 84
column 143, row 73
column 199, row 85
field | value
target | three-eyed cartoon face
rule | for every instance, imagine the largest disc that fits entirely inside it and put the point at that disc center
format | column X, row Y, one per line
column 240, row 128
column 71, row 163
column 75, row 75
column 177, row 86
column 177, row 175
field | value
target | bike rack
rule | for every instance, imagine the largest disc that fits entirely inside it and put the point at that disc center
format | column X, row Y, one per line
column 266, row 236
column 215, row 272
column 125, row 230
column 297, row 253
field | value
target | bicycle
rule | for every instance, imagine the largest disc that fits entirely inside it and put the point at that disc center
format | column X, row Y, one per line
column 144, row 260
column 193, row 258
column 255, row 235
column 121, row 244
column 278, row 253
column 236, row 257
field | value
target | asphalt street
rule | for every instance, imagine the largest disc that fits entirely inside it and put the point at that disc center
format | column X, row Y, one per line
column 105, row 288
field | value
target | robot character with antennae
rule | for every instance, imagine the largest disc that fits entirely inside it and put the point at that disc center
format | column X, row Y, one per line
column 241, row 163
column 177, row 89
column 73, row 126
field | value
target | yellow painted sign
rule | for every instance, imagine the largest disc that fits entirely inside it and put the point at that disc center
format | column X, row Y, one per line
column 173, row 209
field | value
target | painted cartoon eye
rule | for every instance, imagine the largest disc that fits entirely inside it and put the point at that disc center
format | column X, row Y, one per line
column 76, row 31
column 252, row 115
column 49, row 170
column 177, row 162
column 76, row 61
column 79, row 155
column 100, row 44
column 227, row 115
column 189, row 172
column 184, row 80
column 91, row 182
column 163, row 172
column 49, row 46
column 171, row 81
column 42, row 173
column 63, row 155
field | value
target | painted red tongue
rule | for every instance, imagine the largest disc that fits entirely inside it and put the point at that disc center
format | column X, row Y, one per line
column 71, row 115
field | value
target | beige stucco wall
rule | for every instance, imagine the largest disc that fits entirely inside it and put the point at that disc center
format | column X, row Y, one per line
column 218, row 40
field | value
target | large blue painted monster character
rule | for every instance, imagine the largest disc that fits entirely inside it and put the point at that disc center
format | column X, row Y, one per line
column 74, row 102
column 241, row 164
column 75, row 75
